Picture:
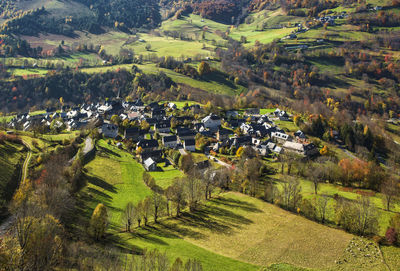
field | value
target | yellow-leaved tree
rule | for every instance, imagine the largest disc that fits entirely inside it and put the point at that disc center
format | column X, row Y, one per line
column 98, row 221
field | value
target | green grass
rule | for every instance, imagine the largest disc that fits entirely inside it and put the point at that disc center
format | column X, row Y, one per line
column 166, row 177
column 331, row 189
column 10, row 155
column 114, row 179
column 214, row 83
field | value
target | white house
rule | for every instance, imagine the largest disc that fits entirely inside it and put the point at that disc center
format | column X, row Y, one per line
column 150, row 165
column 109, row 130
column 280, row 137
column 211, row 122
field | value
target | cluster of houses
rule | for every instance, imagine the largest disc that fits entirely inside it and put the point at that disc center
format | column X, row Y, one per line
column 256, row 130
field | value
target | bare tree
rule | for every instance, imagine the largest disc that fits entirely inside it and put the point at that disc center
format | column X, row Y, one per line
column 158, row 205
column 390, row 190
column 270, row 191
column 316, row 174
column 194, row 189
column 178, row 194
column 322, row 205
column 146, row 209
column 129, row 215
column 291, row 193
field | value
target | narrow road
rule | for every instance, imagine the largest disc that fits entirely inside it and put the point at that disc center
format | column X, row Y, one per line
column 86, row 149
column 219, row 161
column 26, row 162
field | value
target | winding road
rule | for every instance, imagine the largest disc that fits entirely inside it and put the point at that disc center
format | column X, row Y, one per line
column 26, row 162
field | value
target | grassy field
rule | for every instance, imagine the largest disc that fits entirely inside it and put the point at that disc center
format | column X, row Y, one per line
column 230, row 232
column 330, row 190
column 166, row 176
column 114, row 179
column 214, row 84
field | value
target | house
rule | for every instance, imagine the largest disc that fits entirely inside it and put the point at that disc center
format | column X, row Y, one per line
column 211, row 122
column 189, row 145
column 185, row 133
column 150, row 165
column 301, row 149
column 172, row 106
column 300, row 134
column 279, row 137
column 148, row 145
column 241, row 141
column 156, row 155
column 109, row 130
column 134, row 133
column 170, row 141
column 223, row 134
column 157, row 113
column 162, row 127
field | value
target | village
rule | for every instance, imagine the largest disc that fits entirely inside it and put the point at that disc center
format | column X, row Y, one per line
column 151, row 129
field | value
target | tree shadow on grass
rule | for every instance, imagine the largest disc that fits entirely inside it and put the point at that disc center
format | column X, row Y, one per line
column 236, row 203
column 108, row 151
column 100, row 183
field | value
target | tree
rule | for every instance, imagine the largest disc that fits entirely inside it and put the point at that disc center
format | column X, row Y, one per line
column 146, row 209
column 148, row 47
column 139, row 212
column 270, row 192
column 358, row 217
column 321, row 207
column 144, row 125
column 391, row 236
column 194, row 191
column 158, row 205
column 186, row 163
column 395, row 224
column 316, row 174
column 115, row 119
column 390, row 190
column 98, row 221
column 178, row 194
column 204, row 68
column 291, row 193
column 129, row 215
column 252, row 170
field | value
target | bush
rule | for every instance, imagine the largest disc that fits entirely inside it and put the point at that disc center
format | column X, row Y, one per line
column 391, row 236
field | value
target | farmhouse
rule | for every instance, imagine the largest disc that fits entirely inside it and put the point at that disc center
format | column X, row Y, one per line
column 279, row 137
column 150, row 164
column 211, row 122
column 302, row 149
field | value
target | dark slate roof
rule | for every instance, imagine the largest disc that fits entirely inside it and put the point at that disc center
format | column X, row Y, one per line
column 190, row 142
column 171, row 138
column 148, row 143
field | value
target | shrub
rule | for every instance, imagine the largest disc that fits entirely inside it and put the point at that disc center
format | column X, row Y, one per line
column 391, row 236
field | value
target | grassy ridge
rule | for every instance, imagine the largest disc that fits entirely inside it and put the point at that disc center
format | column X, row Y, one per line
column 10, row 156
